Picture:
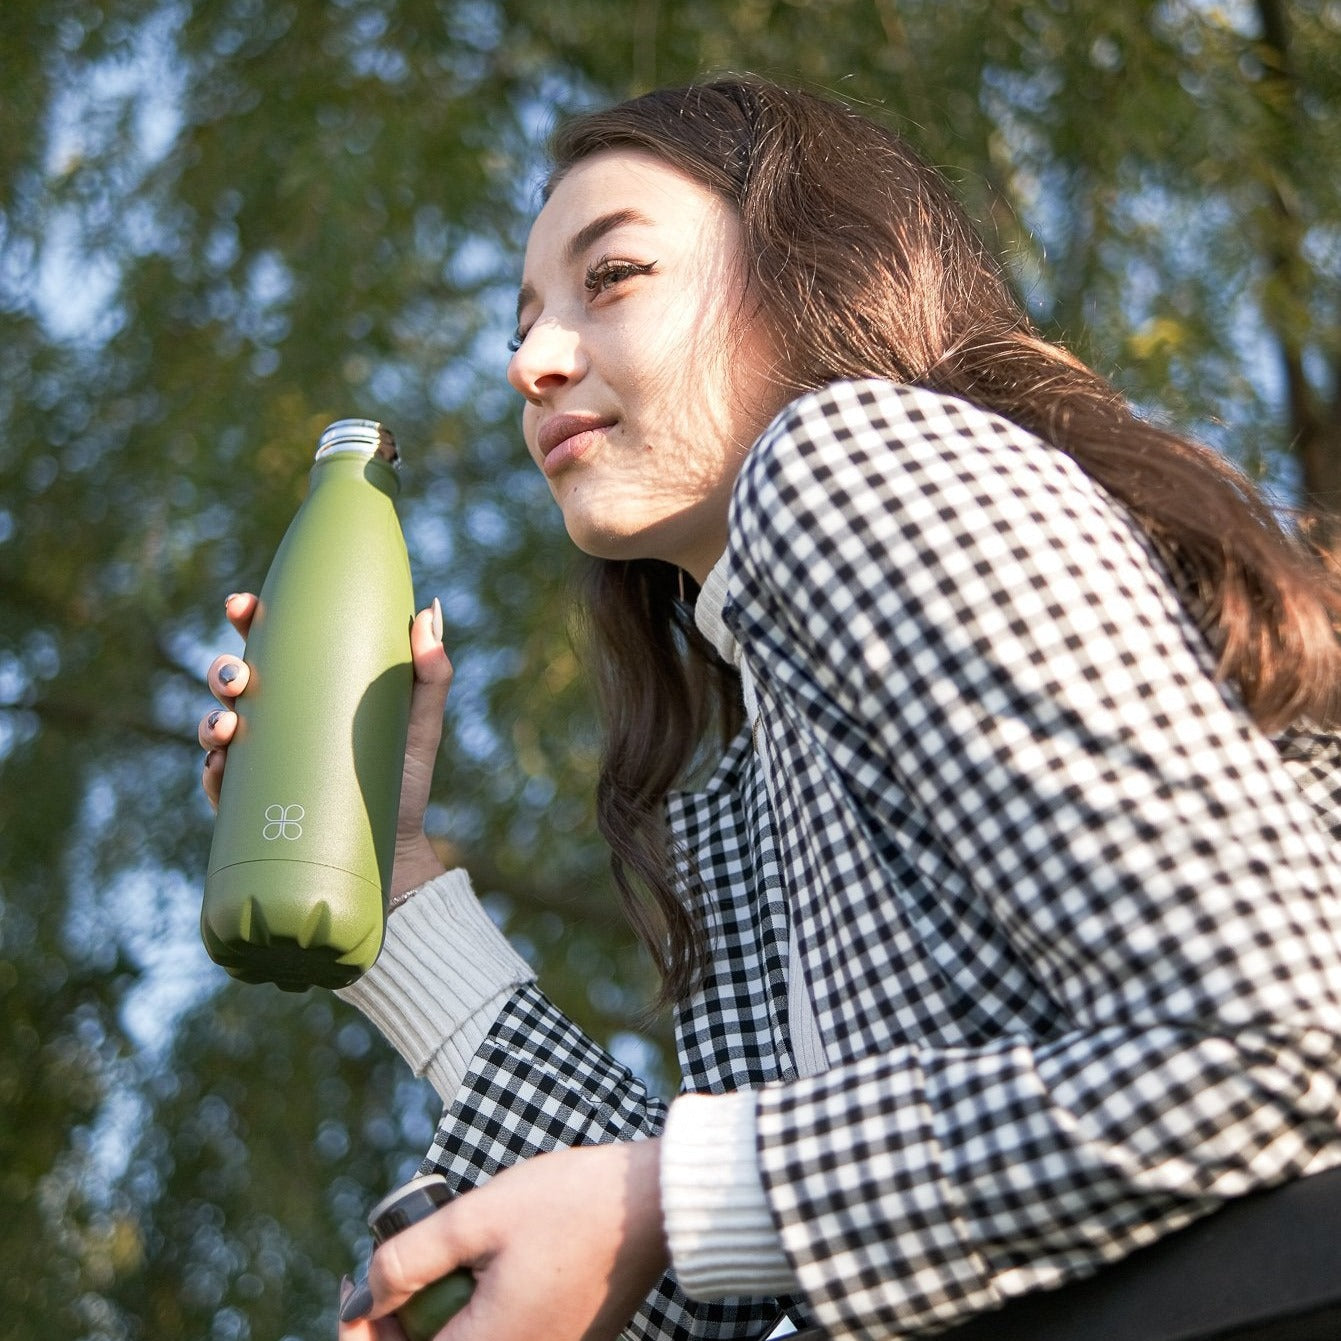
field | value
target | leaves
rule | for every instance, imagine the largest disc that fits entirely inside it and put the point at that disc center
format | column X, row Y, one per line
column 224, row 225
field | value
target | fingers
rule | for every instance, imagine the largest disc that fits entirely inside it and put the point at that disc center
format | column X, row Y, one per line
column 538, row 1269
column 240, row 607
column 214, row 733
column 432, row 680
column 431, row 663
column 416, row 1257
column 227, row 677
column 216, row 729
column 211, row 777
column 364, row 1329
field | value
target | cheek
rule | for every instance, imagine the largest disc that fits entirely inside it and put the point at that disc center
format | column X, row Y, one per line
column 530, row 420
column 760, row 385
column 645, row 359
column 690, row 376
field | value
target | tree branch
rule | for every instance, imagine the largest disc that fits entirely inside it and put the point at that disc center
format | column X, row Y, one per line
column 1314, row 433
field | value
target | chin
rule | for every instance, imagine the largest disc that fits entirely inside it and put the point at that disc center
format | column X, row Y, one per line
column 605, row 548
column 600, row 542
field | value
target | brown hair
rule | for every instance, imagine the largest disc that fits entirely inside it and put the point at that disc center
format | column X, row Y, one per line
column 865, row 266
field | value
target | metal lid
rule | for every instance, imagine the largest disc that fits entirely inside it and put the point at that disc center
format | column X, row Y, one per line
column 365, row 437
column 408, row 1204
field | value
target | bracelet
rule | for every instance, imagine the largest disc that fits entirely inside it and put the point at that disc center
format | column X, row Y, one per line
column 403, row 897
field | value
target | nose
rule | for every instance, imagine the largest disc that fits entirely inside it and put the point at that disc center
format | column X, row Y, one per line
column 549, row 358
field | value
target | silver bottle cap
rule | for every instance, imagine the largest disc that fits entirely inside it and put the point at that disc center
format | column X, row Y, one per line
column 407, row 1205
column 364, row 437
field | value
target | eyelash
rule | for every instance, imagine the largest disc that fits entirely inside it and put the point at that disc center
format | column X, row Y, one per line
column 601, row 275
column 607, row 272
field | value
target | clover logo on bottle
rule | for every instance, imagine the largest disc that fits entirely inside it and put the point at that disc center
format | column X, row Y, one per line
column 283, row 822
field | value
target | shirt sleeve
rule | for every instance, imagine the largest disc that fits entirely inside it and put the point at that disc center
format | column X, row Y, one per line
column 983, row 650
column 517, row 1077
column 538, row 1083
column 443, row 975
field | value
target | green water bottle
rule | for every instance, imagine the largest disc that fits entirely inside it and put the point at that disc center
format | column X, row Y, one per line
column 422, row 1316
column 300, row 864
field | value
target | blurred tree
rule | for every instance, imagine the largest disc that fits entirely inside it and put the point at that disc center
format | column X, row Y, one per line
column 224, row 224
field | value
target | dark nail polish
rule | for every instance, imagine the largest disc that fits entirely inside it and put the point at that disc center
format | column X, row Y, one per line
column 357, row 1305
column 213, row 719
column 228, row 674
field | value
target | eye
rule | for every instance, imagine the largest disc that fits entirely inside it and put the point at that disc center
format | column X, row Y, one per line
column 607, row 272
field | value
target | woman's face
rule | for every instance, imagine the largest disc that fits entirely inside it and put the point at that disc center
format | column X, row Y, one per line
column 646, row 374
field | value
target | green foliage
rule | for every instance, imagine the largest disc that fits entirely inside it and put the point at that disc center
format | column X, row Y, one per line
column 223, row 225
column 244, row 1198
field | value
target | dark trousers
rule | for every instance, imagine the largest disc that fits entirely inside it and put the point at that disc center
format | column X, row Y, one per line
column 1265, row 1268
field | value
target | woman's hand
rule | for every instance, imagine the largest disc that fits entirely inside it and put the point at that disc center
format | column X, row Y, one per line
column 384, row 1329
column 415, row 860
column 564, row 1247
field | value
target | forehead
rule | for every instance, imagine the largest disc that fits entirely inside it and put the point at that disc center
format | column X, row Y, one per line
column 638, row 188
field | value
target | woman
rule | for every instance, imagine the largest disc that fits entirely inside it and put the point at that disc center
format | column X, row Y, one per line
column 1003, row 939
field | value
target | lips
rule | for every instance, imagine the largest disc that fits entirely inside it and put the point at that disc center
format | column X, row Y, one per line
column 565, row 437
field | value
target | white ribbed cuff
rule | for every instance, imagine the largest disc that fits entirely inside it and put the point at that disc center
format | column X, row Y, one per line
column 440, row 980
column 722, row 1239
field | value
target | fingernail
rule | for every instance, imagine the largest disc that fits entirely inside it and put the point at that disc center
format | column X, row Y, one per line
column 437, row 619
column 213, row 719
column 230, row 598
column 228, row 674
column 357, row 1305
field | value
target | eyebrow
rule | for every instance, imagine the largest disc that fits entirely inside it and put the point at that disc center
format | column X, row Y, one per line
column 585, row 236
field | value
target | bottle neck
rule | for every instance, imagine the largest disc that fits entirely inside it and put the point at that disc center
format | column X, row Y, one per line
column 381, row 474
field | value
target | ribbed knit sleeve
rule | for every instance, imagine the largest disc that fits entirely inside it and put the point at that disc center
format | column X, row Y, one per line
column 443, row 975
column 721, row 1234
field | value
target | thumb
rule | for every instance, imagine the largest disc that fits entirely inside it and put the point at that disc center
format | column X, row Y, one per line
column 432, row 680
column 432, row 666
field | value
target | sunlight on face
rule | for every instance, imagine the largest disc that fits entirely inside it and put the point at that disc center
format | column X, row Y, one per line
column 645, row 375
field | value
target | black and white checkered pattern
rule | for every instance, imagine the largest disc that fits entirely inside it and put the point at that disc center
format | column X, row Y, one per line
column 1071, row 924
column 537, row 1083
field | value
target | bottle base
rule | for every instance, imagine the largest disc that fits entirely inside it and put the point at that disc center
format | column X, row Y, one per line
column 297, row 926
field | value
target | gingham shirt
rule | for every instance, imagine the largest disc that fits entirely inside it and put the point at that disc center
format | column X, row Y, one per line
column 1070, row 923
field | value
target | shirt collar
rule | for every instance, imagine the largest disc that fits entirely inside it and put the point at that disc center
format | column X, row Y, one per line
column 708, row 614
